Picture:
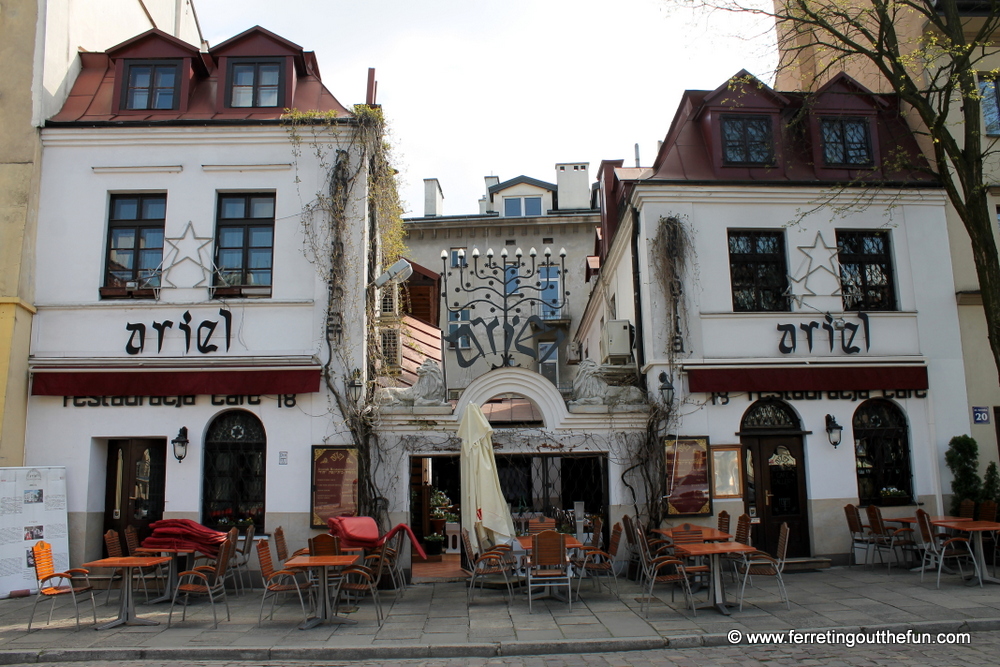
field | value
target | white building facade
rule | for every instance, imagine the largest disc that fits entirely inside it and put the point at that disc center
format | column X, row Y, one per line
column 791, row 284
column 183, row 289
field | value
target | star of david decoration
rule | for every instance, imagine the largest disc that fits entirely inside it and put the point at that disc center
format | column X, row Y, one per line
column 189, row 247
column 820, row 259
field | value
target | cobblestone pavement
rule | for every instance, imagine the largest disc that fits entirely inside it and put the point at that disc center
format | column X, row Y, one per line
column 434, row 624
column 982, row 650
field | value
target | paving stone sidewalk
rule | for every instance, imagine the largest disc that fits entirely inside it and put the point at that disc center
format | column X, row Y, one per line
column 435, row 620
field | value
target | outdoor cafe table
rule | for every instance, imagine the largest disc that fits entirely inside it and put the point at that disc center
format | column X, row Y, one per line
column 913, row 519
column 126, row 610
column 707, row 534
column 325, row 612
column 714, row 550
column 571, row 542
column 172, row 569
column 977, row 528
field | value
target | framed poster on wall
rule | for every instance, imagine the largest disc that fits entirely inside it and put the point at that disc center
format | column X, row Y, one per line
column 727, row 478
column 334, row 483
column 688, row 472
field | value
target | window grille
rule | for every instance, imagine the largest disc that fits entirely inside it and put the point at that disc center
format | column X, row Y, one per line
column 234, row 472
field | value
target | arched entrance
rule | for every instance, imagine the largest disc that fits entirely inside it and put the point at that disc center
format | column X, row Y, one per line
column 235, row 463
column 775, row 489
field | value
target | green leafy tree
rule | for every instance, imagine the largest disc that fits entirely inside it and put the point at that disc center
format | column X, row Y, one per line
column 962, row 458
column 991, row 483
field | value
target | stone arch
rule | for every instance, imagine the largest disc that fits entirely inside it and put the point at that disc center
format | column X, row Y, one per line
column 529, row 384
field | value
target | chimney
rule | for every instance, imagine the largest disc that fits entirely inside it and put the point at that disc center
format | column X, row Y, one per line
column 486, row 204
column 573, row 185
column 433, row 198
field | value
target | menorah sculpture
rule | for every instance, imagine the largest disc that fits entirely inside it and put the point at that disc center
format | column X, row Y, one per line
column 508, row 290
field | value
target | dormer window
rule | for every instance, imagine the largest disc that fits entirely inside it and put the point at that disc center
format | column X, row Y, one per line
column 746, row 140
column 152, row 85
column 846, row 142
column 522, row 206
column 255, row 83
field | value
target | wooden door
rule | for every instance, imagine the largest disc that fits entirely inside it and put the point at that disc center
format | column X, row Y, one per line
column 776, row 491
column 135, row 486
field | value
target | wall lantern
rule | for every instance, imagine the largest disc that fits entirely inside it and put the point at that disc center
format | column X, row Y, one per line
column 180, row 444
column 666, row 389
column 833, row 430
column 355, row 386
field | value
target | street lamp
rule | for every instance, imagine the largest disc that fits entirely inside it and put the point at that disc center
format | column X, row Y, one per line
column 180, row 444
column 666, row 389
column 355, row 386
column 833, row 430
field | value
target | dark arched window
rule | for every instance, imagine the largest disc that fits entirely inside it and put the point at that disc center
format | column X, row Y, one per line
column 235, row 462
column 769, row 414
column 882, row 454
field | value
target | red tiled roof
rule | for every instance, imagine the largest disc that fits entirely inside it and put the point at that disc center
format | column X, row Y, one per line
column 91, row 99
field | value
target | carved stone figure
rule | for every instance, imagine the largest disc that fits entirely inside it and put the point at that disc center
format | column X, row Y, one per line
column 428, row 391
column 589, row 388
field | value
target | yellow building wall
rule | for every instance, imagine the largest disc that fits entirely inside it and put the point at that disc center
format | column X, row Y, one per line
column 20, row 162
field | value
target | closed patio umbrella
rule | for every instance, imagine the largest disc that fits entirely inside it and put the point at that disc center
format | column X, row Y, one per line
column 482, row 498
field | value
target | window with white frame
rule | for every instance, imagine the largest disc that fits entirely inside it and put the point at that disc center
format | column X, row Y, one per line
column 458, row 258
column 522, row 206
column 990, row 104
column 549, row 276
column 456, row 319
column 548, row 362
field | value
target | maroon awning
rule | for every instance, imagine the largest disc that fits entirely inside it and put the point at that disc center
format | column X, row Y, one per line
column 837, row 378
column 247, row 382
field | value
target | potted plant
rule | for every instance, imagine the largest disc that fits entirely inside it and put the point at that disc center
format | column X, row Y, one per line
column 893, row 496
column 433, row 544
column 439, row 504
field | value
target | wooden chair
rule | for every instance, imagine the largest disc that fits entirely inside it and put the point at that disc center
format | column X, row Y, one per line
column 760, row 564
column 324, row 544
column 742, row 536
column 987, row 511
column 597, row 534
column 205, row 580
column 967, row 509
column 278, row 582
column 939, row 548
column 536, row 526
column 886, row 540
column 861, row 537
column 668, row 570
column 113, row 544
column 52, row 584
column 157, row 572
column 547, row 566
column 280, row 548
column 601, row 563
column 360, row 580
column 484, row 565
column 724, row 521
column 240, row 564
column 689, row 534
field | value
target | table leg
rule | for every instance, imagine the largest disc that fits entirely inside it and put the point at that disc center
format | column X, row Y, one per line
column 126, row 608
column 717, row 584
column 980, row 556
column 171, row 584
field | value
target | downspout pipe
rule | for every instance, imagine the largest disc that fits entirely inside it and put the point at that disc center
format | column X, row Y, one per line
column 640, row 348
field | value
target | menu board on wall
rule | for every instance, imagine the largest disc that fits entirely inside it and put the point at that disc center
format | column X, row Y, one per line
column 334, row 483
column 32, row 508
column 688, row 476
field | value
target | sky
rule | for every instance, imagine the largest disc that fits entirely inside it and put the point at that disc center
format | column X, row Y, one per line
column 474, row 89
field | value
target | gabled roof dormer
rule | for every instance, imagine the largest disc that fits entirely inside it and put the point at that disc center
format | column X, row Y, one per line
column 741, row 122
column 154, row 73
column 844, row 128
column 260, row 70
column 522, row 196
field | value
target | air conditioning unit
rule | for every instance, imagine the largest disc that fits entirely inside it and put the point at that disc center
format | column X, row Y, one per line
column 616, row 342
